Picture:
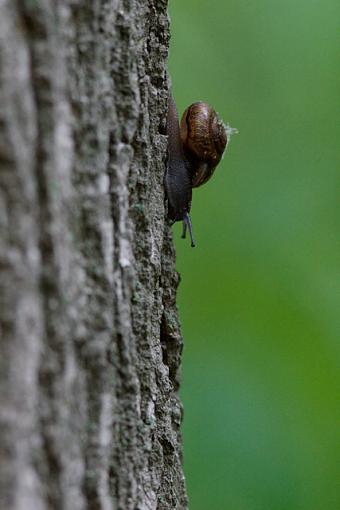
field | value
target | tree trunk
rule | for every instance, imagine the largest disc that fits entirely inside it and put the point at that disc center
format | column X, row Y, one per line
column 90, row 338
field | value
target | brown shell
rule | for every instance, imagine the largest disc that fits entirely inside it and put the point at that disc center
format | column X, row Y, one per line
column 204, row 140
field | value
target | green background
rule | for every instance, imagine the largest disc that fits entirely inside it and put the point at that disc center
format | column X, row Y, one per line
column 260, row 295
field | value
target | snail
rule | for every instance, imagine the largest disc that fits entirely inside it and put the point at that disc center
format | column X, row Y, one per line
column 195, row 147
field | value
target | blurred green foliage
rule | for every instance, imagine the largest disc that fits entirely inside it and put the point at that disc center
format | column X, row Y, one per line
column 260, row 295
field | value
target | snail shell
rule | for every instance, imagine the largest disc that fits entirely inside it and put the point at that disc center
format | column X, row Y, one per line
column 204, row 137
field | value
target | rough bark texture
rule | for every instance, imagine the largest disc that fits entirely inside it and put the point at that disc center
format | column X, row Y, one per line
column 90, row 339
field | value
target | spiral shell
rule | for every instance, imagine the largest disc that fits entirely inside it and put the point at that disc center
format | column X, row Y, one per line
column 204, row 137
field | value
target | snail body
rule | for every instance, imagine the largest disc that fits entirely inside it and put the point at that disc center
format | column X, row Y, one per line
column 177, row 177
column 195, row 147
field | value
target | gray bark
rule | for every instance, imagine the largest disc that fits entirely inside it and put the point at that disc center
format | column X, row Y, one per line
column 90, row 340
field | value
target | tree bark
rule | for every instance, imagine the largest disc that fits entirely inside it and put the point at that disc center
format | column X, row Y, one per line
column 90, row 339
